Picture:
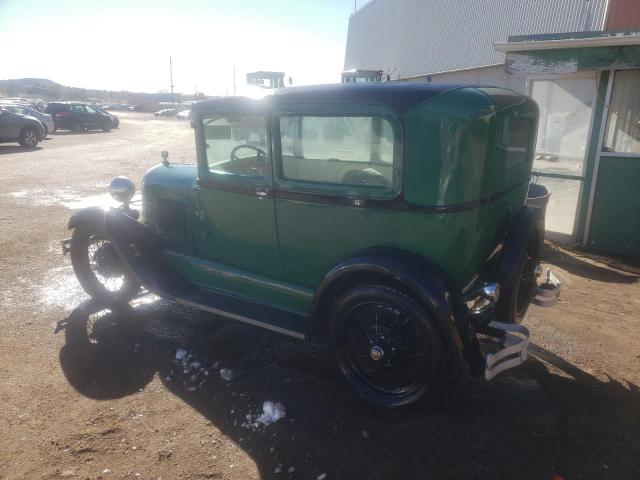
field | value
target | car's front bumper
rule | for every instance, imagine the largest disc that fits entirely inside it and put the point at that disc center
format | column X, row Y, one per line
column 513, row 338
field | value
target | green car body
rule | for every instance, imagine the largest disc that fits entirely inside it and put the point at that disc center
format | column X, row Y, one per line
column 451, row 206
column 448, row 217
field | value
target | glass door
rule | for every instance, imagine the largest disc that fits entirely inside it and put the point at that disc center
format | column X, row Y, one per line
column 566, row 109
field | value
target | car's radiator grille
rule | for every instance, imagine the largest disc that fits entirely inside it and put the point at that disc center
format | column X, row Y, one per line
column 171, row 217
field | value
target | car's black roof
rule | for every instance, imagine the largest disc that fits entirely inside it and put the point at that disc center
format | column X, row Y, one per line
column 398, row 96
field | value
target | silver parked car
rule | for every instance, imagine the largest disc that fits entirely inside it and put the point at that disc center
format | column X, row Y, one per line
column 44, row 118
column 25, row 130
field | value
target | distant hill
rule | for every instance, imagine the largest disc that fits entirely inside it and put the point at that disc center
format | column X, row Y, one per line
column 46, row 89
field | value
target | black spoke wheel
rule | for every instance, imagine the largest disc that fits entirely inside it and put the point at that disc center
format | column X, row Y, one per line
column 386, row 345
column 98, row 267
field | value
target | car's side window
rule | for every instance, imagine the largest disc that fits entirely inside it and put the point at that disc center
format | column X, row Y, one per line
column 344, row 150
column 90, row 109
column 237, row 145
column 77, row 108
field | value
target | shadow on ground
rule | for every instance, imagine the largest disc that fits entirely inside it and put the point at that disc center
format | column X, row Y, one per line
column 5, row 149
column 580, row 266
column 546, row 417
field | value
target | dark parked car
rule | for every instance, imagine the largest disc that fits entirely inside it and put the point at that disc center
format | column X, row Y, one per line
column 44, row 118
column 388, row 219
column 78, row 117
column 24, row 129
column 115, row 121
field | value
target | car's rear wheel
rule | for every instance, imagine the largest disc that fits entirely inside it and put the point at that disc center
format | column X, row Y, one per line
column 46, row 131
column 387, row 346
column 515, row 298
column 28, row 137
column 98, row 267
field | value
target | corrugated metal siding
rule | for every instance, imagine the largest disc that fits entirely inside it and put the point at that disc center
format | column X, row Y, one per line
column 413, row 37
column 623, row 14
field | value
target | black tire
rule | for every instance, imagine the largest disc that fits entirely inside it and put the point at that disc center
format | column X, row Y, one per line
column 106, row 127
column 95, row 282
column 77, row 127
column 28, row 137
column 396, row 361
column 515, row 298
column 46, row 131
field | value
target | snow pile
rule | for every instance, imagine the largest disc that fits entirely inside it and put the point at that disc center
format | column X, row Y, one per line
column 271, row 413
column 226, row 374
column 193, row 375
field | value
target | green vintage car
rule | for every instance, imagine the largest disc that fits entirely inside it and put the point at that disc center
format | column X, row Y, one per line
column 388, row 219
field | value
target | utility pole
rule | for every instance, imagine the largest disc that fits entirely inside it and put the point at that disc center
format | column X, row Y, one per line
column 173, row 104
column 234, row 80
column 355, row 8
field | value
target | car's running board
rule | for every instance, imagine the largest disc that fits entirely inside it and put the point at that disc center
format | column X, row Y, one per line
column 514, row 351
column 257, row 314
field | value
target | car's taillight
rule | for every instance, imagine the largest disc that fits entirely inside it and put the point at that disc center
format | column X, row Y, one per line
column 63, row 114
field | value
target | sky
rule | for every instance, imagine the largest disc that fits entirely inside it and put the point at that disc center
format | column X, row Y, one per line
column 126, row 44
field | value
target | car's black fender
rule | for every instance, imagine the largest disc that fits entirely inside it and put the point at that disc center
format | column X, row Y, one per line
column 94, row 216
column 409, row 273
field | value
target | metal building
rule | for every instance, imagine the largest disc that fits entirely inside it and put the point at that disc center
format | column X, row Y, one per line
column 580, row 61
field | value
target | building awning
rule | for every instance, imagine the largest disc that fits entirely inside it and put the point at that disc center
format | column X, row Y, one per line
column 571, row 52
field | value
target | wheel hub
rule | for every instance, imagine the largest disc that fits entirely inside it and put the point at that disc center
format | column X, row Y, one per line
column 107, row 261
column 376, row 353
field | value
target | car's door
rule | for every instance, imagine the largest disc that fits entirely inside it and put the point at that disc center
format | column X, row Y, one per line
column 236, row 223
column 94, row 118
column 78, row 114
column 336, row 178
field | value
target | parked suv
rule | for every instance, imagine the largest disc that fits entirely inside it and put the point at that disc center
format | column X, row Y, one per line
column 77, row 117
column 25, row 130
column 44, row 118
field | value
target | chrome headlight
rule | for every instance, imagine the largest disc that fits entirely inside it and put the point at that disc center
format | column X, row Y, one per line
column 122, row 189
column 483, row 298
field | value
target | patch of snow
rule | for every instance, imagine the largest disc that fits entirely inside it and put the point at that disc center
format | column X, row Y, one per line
column 181, row 353
column 226, row 374
column 322, row 476
column 271, row 413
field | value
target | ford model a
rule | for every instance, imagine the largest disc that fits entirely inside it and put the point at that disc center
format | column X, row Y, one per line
column 388, row 219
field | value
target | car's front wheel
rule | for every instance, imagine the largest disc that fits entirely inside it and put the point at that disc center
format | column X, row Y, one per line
column 387, row 346
column 98, row 267
column 106, row 127
column 28, row 137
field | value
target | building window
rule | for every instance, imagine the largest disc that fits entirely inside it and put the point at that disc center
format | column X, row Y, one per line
column 623, row 124
column 356, row 151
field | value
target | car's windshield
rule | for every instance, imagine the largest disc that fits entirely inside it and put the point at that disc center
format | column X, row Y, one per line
column 236, row 144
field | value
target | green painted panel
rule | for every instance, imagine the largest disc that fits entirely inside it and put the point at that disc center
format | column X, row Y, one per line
column 453, row 153
column 615, row 223
column 569, row 60
column 459, row 243
column 237, row 229
column 214, row 275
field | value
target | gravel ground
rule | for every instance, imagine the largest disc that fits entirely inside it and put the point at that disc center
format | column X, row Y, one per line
column 157, row 391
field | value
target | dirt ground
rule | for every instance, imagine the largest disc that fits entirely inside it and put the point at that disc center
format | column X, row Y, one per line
column 87, row 394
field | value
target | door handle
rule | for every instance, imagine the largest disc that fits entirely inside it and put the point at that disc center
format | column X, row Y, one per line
column 263, row 193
